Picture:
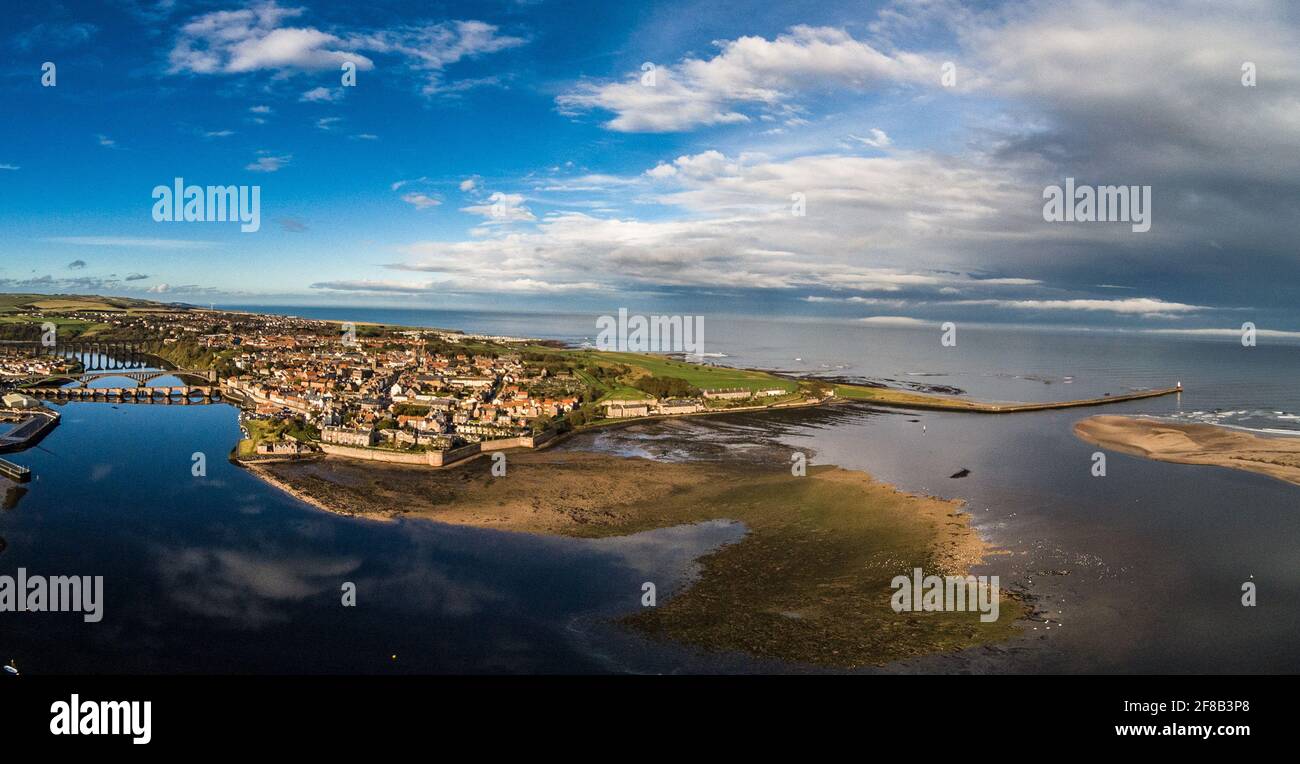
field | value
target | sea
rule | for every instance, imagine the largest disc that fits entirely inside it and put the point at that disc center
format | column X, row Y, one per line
column 1139, row 571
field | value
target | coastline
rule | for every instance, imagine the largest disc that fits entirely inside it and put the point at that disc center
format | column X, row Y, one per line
column 261, row 473
column 1277, row 457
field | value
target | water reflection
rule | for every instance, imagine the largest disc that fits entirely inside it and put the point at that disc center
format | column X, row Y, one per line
column 225, row 574
column 13, row 494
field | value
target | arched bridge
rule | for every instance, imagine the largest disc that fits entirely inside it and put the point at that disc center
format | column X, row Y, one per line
column 185, row 394
column 141, row 377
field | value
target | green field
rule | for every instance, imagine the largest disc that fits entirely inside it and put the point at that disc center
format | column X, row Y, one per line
column 72, row 303
column 638, row 366
column 622, row 392
column 68, row 328
column 703, row 377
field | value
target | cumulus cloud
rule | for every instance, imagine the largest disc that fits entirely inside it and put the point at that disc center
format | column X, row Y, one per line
column 269, row 37
column 1114, row 91
column 748, row 73
column 1104, row 91
column 706, row 164
column 252, row 39
column 922, row 230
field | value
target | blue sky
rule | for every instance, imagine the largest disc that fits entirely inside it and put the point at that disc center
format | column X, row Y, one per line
column 511, row 154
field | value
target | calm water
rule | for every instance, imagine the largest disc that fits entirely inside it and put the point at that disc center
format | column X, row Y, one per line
column 1139, row 571
column 224, row 574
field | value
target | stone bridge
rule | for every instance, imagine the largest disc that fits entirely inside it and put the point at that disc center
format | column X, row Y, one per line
column 182, row 394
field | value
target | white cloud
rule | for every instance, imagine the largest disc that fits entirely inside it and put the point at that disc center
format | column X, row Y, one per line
column 749, row 72
column 1067, row 87
column 257, row 38
column 431, row 48
column 420, row 201
column 268, row 162
column 467, row 184
column 322, row 95
column 877, row 140
column 894, row 321
column 252, row 39
column 363, row 285
column 706, row 164
column 1135, row 305
column 502, row 208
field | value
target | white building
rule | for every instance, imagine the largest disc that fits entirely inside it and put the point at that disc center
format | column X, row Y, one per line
column 20, row 401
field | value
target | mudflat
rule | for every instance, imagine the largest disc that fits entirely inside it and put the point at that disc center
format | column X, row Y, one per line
column 808, row 583
column 1277, row 457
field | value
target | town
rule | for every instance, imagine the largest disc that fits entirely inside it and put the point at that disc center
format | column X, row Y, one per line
column 397, row 394
column 425, row 396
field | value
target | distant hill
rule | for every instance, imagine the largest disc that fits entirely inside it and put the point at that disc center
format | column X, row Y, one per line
column 10, row 303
